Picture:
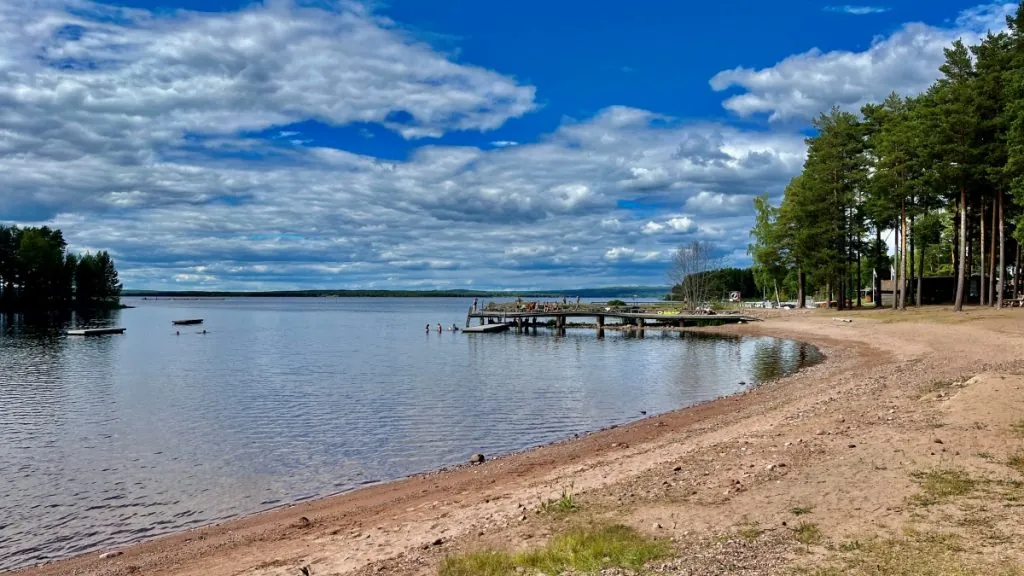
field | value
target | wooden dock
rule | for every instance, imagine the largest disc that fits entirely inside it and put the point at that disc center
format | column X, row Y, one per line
column 524, row 316
column 95, row 331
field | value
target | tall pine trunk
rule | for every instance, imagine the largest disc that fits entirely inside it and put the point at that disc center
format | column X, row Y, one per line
column 1016, row 274
column 859, row 272
column 982, row 288
column 877, row 278
column 920, row 274
column 800, row 294
column 958, row 304
column 903, row 255
column 992, row 256
column 913, row 277
column 895, row 276
column 1003, row 253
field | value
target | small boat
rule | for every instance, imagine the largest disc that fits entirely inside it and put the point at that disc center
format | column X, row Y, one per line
column 189, row 322
column 95, row 331
column 486, row 328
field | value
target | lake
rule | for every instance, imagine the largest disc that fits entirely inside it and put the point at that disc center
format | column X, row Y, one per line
column 108, row 440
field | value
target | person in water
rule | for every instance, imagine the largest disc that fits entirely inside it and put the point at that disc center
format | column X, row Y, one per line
column 439, row 328
column 428, row 328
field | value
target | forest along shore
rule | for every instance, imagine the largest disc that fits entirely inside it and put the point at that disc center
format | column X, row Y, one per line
column 905, row 446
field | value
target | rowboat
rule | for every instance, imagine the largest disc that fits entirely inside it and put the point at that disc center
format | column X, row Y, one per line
column 486, row 328
column 188, row 322
column 95, row 331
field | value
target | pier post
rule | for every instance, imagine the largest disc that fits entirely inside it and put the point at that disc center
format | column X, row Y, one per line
column 600, row 326
column 640, row 325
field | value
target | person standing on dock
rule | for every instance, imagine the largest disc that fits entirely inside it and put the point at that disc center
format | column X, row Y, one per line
column 475, row 302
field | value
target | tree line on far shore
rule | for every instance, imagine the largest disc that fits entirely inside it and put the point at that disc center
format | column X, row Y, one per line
column 944, row 171
column 37, row 273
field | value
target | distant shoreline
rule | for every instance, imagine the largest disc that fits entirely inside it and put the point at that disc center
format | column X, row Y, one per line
column 621, row 292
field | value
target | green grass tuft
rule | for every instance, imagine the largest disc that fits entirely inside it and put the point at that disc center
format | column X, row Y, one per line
column 582, row 550
column 807, row 533
column 566, row 502
column 940, row 485
column 750, row 531
column 1016, row 462
column 800, row 510
column 918, row 555
column 1018, row 428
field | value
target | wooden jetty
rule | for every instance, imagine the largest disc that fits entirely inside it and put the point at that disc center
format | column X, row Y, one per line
column 95, row 331
column 484, row 328
column 523, row 316
column 188, row 322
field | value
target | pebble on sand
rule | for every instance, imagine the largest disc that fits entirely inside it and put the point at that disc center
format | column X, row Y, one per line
column 111, row 554
column 477, row 459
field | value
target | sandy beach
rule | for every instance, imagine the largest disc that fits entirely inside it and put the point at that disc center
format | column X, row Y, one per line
column 861, row 448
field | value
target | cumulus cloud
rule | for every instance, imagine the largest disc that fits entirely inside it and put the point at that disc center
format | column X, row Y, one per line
column 717, row 203
column 856, row 10
column 907, row 61
column 169, row 140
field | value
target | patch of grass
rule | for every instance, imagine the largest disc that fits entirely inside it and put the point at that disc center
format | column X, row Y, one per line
column 566, row 502
column 919, row 555
column 1018, row 428
column 986, row 456
column 850, row 546
column 807, row 533
column 578, row 551
column 750, row 531
column 1016, row 462
column 941, row 485
column 800, row 510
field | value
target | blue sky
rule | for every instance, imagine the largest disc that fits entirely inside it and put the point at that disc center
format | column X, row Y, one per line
column 406, row 144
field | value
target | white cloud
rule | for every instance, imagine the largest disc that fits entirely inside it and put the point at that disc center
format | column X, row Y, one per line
column 272, row 64
column 719, row 203
column 653, row 228
column 801, row 86
column 857, row 10
column 619, row 253
column 504, row 143
column 681, row 224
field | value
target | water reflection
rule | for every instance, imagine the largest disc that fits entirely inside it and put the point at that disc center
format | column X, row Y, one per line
column 115, row 438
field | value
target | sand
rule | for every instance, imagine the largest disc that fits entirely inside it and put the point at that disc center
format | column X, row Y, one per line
column 845, row 445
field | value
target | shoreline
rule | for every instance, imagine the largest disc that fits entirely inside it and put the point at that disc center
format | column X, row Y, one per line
column 406, row 525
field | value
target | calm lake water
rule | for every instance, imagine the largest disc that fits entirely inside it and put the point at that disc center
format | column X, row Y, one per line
column 106, row 440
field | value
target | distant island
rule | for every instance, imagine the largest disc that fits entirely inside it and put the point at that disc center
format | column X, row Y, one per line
column 39, row 274
column 622, row 292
